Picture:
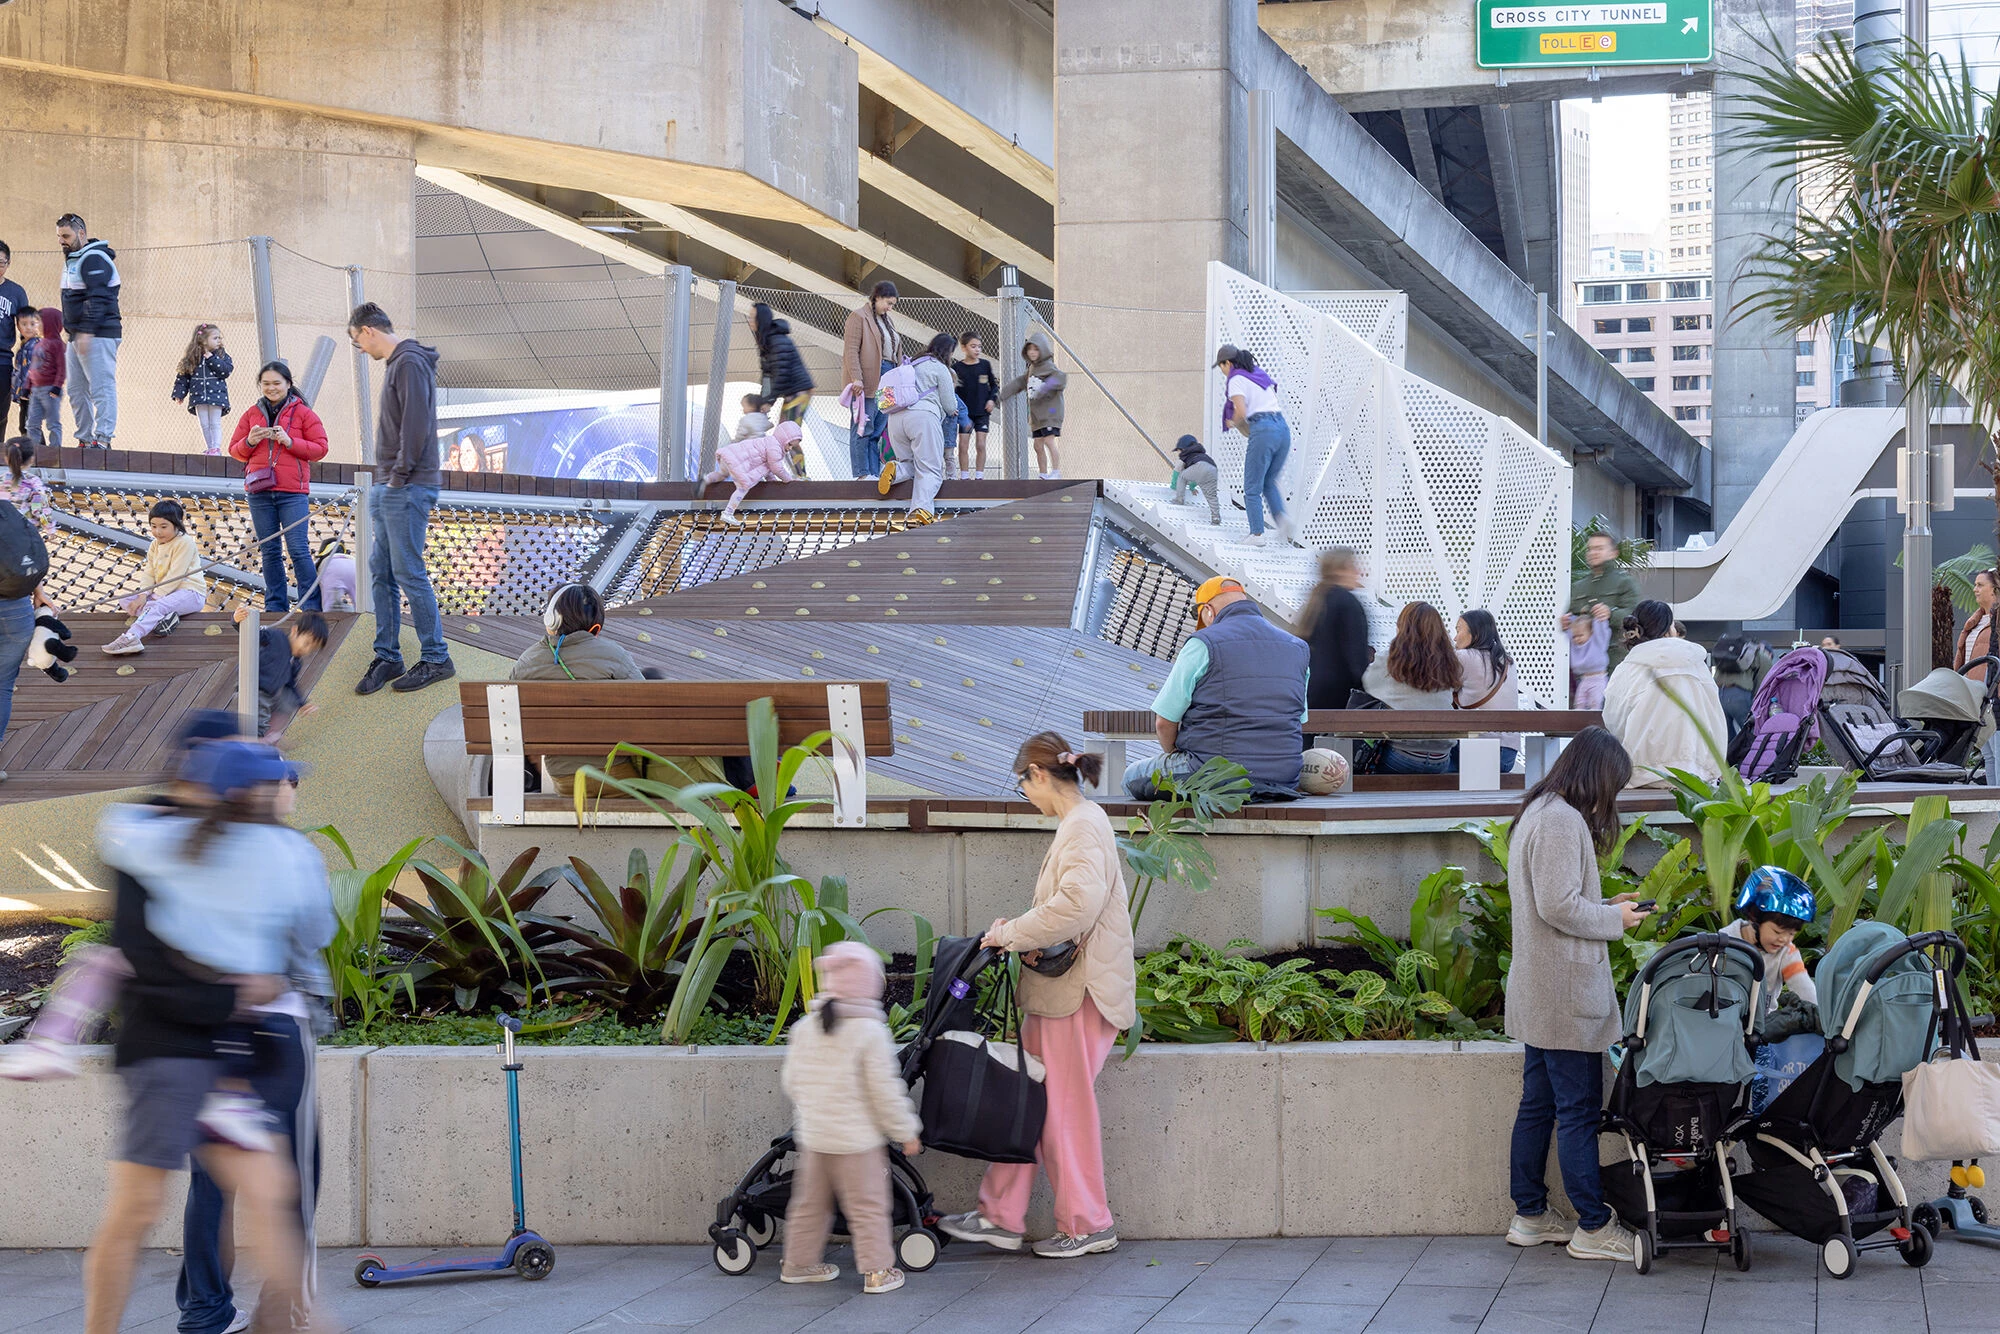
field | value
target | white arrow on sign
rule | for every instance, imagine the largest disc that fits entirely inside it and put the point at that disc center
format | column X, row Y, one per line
column 1689, row 25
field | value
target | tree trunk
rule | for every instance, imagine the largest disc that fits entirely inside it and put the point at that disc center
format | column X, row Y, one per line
column 1944, row 626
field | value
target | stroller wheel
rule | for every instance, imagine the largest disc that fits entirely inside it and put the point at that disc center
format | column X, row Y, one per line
column 1642, row 1252
column 760, row 1227
column 1917, row 1251
column 1927, row 1217
column 734, row 1253
column 1838, row 1255
column 917, row 1249
column 1739, row 1249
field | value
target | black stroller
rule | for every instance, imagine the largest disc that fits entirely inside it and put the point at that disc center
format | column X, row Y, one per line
column 1862, row 734
column 1817, row 1168
column 1690, row 1024
column 747, row 1219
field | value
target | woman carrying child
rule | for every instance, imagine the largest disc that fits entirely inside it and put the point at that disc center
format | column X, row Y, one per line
column 174, row 585
column 848, row 1101
column 1071, row 1021
column 202, row 379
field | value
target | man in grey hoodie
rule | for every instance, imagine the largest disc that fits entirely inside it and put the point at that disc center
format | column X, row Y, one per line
column 400, row 503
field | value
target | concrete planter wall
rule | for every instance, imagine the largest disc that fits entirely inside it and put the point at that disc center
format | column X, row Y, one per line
column 636, row 1145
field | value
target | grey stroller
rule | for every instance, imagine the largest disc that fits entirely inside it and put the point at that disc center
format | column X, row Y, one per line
column 1862, row 734
column 1958, row 709
column 1682, row 1086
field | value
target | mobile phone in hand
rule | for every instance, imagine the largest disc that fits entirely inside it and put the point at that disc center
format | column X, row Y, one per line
column 1646, row 905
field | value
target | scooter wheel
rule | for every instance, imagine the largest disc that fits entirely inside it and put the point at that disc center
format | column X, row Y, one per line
column 368, row 1270
column 1642, row 1252
column 734, row 1253
column 1978, row 1210
column 535, row 1261
column 1927, row 1217
column 917, row 1249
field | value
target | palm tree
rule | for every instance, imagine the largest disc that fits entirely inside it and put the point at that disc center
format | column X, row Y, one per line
column 1898, row 230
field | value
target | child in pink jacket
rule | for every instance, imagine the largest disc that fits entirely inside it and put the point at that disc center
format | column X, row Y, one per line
column 748, row 462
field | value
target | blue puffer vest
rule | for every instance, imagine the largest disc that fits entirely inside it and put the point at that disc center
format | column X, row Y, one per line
column 1248, row 704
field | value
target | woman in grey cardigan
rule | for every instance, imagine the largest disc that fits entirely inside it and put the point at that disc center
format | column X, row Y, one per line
column 1560, row 1000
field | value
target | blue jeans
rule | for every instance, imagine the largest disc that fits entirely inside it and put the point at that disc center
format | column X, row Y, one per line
column 1269, row 445
column 1507, row 757
column 17, row 627
column 864, row 447
column 284, row 1051
column 1139, row 773
column 1561, row 1092
column 45, row 409
column 402, row 515
column 270, row 511
column 1396, row 761
column 93, row 390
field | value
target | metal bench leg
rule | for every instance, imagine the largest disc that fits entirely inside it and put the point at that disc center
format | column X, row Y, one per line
column 1113, row 782
column 1479, row 764
column 510, row 778
column 850, row 756
column 1541, row 753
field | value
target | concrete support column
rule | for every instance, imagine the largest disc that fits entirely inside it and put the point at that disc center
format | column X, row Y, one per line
column 1755, row 380
column 1153, row 182
column 174, row 182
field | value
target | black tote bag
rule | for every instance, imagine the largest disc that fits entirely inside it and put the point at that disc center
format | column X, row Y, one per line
column 978, row 1103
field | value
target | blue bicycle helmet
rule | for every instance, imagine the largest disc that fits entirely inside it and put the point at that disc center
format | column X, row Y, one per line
column 1774, row 890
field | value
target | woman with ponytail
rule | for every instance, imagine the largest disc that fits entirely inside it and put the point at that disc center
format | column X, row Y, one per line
column 1071, row 1020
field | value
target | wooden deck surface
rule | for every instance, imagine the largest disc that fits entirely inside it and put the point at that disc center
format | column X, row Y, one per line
column 114, row 722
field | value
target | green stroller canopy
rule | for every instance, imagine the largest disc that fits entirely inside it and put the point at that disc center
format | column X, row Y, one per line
column 1895, row 1020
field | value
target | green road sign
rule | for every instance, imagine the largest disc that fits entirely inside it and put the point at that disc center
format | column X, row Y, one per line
column 1513, row 35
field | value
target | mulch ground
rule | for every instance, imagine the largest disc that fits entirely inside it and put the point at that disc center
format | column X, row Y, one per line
column 28, row 952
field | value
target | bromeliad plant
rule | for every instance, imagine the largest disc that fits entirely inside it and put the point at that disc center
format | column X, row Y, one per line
column 784, row 917
column 366, row 979
column 478, row 943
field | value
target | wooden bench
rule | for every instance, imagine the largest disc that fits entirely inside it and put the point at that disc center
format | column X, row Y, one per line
column 511, row 720
column 1542, row 731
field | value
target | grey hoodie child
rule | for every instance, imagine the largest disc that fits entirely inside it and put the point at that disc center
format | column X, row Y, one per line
column 1043, row 381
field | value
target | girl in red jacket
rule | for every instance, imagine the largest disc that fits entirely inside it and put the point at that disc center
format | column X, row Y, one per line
column 277, row 440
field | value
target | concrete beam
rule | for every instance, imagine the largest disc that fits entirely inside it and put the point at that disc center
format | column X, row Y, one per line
column 878, row 31
column 1506, row 184
column 1423, row 53
column 1423, row 153
column 728, row 104
column 502, row 200
column 883, row 175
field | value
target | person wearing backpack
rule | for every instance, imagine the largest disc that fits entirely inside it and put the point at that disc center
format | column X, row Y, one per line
column 24, row 562
column 913, row 397
column 1739, row 664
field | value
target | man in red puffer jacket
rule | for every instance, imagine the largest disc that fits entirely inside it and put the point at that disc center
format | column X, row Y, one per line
column 278, row 439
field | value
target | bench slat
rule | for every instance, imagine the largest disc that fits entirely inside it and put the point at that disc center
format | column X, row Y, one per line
column 675, row 718
column 698, row 739
column 1387, row 722
column 633, row 694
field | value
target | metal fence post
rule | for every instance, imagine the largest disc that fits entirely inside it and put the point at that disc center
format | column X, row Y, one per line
column 362, row 417
column 718, row 372
column 266, row 299
column 674, row 375
column 364, row 532
column 1013, row 412
column 246, row 673
column 317, row 366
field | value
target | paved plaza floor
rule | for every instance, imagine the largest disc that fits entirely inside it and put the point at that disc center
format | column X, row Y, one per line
column 1382, row 1285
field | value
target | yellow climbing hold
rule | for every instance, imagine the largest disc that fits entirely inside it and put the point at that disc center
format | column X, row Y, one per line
column 902, row 597
column 938, row 640
column 1152, row 685
column 472, row 629
column 1027, row 597
column 760, row 584
column 817, row 654
column 854, row 565
column 909, row 569
column 902, row 555
column 645, row 638
column 968, row 683
column 805, row 671
column 803, row 611
column 1066, row 499
column 854, row 597
column 213, row 630
column 943, row 540
column 906, row 740
column 1022, row 662
column 888, row 611
column 819, row 583
column 1034, row 541
column 982, row 598
column 917, row 683
column 720, row 631
column 127, row 669
column 873, row 649
column 996, row 581
column 1076, row 653
column 916, row 722
column 749, row 611
column 1134, row 667
column 958, row 755
column 947, row 583
column 986, row 555
column 986, row 722
column 1019, row 517
column 696, row 653
column 645, row 611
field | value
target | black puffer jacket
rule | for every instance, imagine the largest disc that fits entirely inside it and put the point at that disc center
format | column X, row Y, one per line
column 778, row 357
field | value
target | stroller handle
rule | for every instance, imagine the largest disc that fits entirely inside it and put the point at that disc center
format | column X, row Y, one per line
column 1705, row 942
column 1923, row 940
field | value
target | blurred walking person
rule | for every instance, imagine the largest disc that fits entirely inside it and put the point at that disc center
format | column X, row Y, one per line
column 788, row 385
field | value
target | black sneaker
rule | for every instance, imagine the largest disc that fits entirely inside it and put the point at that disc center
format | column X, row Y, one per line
column 424, row 674
column 167, row 626
column 380, row 673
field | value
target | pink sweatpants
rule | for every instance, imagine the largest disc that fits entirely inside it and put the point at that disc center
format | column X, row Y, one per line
column 1587, row 692
column 1072, row 1149
column 151, row 609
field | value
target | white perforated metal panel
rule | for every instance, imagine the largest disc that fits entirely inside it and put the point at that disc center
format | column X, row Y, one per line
column 1379, row 319
column 1447, row 503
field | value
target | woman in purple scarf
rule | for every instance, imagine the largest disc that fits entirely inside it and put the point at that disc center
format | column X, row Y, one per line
column 1250, row 404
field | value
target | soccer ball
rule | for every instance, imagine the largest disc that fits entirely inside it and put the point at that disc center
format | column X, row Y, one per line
column 1322, row 771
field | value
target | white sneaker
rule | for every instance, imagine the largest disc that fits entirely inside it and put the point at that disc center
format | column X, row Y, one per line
column 1055, row 472
column 238, row 1119
column 1542, row 1227
column 238, row 1323
column 1256, row 540
column 35, row 1059
column 729, row 517
column 974, row 1227
column 1613, row 1241
column 124, row 644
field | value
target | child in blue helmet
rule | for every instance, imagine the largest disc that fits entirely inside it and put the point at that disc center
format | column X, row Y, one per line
column 1771, row 908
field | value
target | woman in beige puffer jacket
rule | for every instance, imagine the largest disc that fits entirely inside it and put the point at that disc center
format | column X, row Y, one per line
column 1071, row 1022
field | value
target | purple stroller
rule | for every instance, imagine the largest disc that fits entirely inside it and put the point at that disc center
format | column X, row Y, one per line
column 1784, row 718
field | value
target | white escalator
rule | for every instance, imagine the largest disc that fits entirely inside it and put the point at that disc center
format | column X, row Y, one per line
column 1788, row 520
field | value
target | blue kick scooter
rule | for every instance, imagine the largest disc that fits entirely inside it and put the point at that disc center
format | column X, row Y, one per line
column 526, row 1253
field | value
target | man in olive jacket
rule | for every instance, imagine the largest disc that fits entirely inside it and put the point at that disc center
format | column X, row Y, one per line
column 1607, row 582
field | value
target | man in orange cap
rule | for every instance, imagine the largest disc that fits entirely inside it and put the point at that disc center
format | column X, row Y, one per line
column 1237, row 690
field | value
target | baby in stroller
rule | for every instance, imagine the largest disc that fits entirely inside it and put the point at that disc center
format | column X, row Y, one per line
column 1683, row 1078
column 1816, row 1167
